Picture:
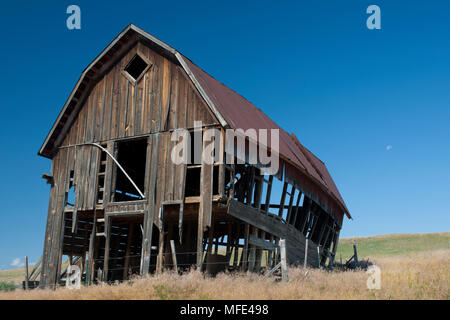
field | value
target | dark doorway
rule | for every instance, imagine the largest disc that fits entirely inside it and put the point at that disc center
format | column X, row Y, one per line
column 132, row 157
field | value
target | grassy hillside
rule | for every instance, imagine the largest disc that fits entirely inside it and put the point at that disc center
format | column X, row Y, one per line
column 14, row 275
column 413, row 266
column 390, row 245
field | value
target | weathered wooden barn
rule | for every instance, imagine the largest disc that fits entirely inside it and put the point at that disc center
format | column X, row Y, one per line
column 124, row 108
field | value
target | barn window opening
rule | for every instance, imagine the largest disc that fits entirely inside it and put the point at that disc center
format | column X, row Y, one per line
column 136, row 67
column 192, row 188
column 193, row 169
column 70, row 202
column 132, row 157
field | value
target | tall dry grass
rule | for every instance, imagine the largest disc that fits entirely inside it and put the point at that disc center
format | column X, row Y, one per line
column 419, row 276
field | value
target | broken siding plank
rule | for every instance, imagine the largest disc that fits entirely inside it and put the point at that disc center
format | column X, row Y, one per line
column 146, row 121
column 155, row 96
column 115, row 107
column 173, row 103
column 106, row 125
column 102, row 111
column 100, row 106
column 166, row 84
column 206, row 179
column 139, row 108
column 182, row 103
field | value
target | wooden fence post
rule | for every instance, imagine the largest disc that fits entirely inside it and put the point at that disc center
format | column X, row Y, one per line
column 284, row 273
column 306, row 254
column 318, row 255
column 355, row 254
column 26, row 273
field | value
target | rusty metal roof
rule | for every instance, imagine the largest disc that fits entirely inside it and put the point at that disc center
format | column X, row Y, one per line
column 230, row 108
column 238, row 112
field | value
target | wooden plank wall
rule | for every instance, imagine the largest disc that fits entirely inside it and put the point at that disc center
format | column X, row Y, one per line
column 164, row 99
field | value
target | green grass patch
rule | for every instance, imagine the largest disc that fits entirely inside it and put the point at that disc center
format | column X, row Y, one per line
column 7, row 286
column 392, row 245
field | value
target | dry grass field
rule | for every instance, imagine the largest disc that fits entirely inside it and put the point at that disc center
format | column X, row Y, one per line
column 422, row 273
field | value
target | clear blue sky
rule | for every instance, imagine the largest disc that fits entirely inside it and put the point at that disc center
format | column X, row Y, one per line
column 313, row 66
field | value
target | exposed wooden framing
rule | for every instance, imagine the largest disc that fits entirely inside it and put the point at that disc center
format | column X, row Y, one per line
column 236, row 244
column 270, row 252
column 107, row 247
column 306, row 215
column 159, row 261
column 258, row 191
column 174, row 255
column 261, row 243
column 283, row 197
column 252, row 257
column 297, row 208
column 291, row 200
column 180, row 216
column 284, row 272
column 245, row 254
column 323, row 229
column 209, row 261
column 127, row 252
column 269, row 191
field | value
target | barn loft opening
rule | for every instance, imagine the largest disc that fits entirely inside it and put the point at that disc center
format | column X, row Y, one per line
column 136, row 67
column 132, row 157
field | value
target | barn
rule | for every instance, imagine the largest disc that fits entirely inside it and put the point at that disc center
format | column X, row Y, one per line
column 119, row 206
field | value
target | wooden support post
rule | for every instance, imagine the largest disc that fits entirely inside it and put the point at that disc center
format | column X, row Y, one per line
column 174, row 255
column 89, row 260
column 35, row 268
column 159, row 260
column 283, row 197
column 107, row 246
column 245, row 249
column 229, row 239
column 150, row 213
column 236, row 244
column 284, row 273
column 252, row 258
column 26, row 273
column 318, row 255
column 209, row 261
column 305, row 262
column 249, row 197
column 86, row 268
column 270, row 254
column 128, row 250
column 355, row 254
column 258, row 191
column 200, row 241
column 291, row 200
column 335, row 244
column 295, row 212
column 269, row 191
column 259, row 252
